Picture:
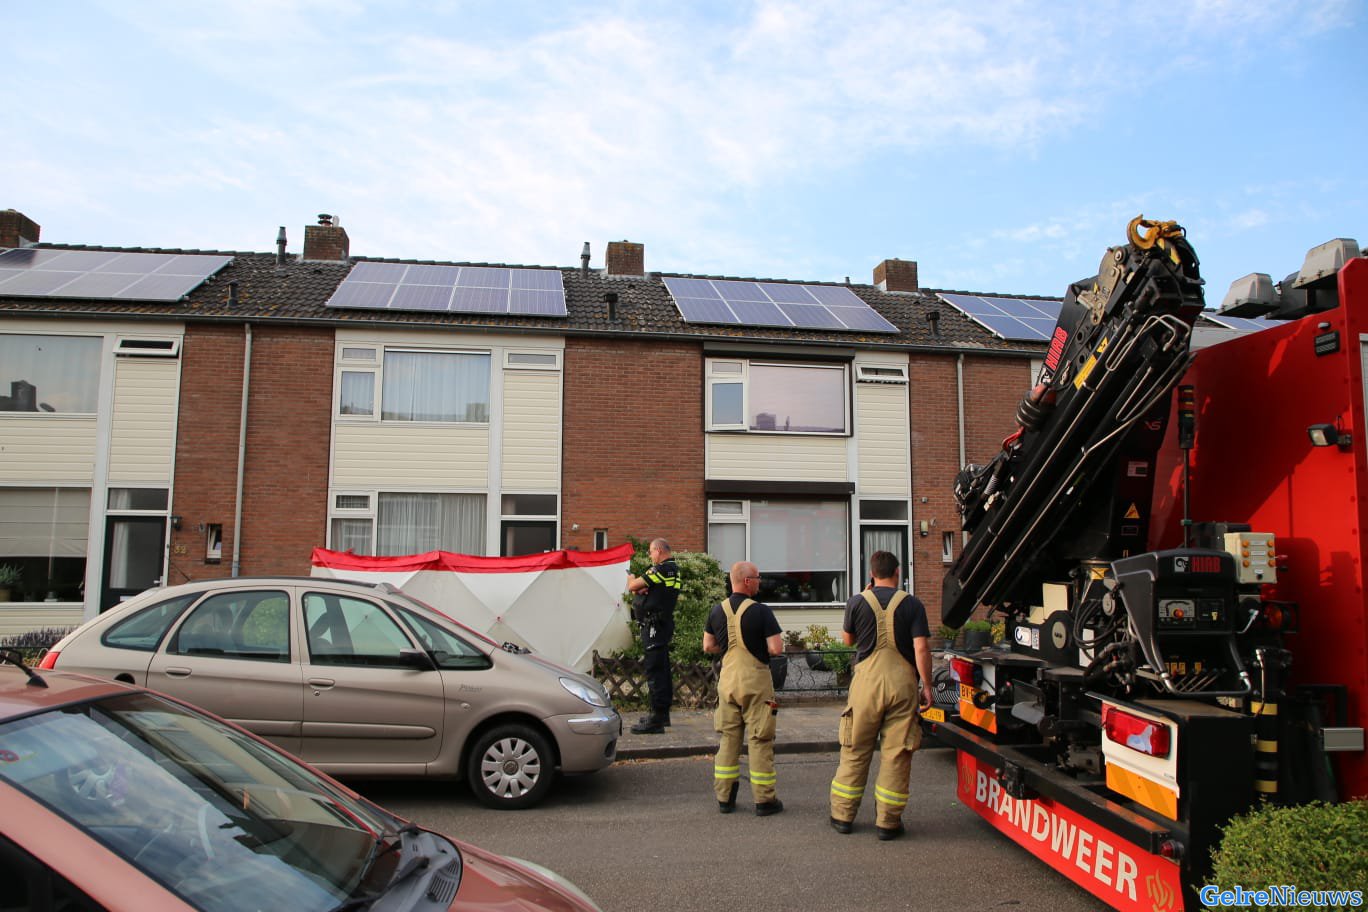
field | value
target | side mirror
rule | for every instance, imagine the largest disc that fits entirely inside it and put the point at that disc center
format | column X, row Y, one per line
column 417, row 658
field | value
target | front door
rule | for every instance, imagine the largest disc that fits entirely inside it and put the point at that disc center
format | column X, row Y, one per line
column 884, row 538
column 134, row 555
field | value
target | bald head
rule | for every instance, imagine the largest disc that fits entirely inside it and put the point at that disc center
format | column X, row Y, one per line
column 745, row 577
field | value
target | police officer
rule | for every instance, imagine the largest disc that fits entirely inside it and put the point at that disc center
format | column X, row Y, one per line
column 746, row 633
column 893, row 657
column 657, row 591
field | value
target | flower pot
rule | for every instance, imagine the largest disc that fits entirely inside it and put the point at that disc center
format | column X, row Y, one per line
column 778, row 670
column 816, row 660
column 975, row 640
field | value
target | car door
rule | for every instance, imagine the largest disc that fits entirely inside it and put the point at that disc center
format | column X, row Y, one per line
column 365, row 707
column 231, row 655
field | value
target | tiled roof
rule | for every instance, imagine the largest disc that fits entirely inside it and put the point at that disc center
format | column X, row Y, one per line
column 298, row 291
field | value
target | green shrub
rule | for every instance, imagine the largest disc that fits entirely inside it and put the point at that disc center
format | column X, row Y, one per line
column 976, row 624
column 1312, row 847
column 702, row 585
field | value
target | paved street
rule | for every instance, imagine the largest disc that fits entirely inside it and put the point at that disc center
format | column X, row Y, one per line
column 646, row 835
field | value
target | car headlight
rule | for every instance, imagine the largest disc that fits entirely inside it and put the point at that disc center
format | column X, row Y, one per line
column 590, row 695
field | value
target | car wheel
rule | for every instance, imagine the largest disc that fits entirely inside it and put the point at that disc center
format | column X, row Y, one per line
column 510, row 767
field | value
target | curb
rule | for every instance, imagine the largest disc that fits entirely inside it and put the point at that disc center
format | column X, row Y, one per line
column 674, row 751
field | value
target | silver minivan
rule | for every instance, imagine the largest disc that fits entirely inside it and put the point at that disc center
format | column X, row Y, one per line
column 358, row 679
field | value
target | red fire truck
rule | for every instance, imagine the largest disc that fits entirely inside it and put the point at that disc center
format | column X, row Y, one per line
column 1175, row 537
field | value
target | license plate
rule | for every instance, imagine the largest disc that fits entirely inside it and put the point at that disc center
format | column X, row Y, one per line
column 933, row 715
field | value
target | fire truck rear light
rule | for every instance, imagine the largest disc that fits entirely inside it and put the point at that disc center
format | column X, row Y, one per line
column 964, row 671
column 1171, row 848
column 1135, row 732
column 49, row 661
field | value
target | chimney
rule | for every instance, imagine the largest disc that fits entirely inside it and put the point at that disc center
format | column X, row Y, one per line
column 17, row 229
column 623, row 258
column 896, row 275
column 584, row 261
column 326, row 241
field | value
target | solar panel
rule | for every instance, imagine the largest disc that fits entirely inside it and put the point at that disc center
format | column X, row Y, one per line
column 1243, row 324
column 1013, row 319
column 434, row 288
column 781, row 304
column 104, row 274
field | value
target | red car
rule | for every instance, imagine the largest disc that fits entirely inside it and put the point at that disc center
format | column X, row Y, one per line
column 115, row 797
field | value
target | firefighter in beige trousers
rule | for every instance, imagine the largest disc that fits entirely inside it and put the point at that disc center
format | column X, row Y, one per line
column 744, row 631
column 884, row 698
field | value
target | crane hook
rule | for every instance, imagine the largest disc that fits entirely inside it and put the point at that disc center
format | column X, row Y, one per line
column 1158, row 232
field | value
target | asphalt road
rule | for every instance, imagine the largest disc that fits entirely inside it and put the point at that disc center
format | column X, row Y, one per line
column 646, row 835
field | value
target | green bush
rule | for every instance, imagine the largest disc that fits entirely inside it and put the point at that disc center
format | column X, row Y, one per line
column 702, row 585
column 1312, row 847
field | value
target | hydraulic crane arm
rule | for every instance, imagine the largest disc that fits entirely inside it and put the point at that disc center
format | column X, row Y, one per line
column 1119, row 348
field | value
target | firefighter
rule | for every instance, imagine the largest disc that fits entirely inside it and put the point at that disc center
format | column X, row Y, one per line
column 890, row 631
column 657, row 591
column 746, row 633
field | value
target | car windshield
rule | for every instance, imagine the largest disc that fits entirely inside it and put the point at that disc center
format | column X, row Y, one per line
column 220, row 820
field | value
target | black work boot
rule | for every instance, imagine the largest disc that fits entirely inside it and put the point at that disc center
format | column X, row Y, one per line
column 768, row 808
column 654, row 724
column 726, row 807
column 651, row 716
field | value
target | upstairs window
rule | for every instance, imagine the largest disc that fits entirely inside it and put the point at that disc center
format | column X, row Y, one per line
column 435, row 386
column 52, row 375
column 771, row 398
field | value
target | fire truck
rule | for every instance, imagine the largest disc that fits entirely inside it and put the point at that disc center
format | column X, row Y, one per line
column 1174, row 537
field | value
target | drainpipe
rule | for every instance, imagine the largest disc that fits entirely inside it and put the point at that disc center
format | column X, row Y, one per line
column 242, row 449
column 959, row 394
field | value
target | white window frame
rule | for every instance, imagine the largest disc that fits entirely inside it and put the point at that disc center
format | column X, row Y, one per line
column 881, row 373
column 429, row 350
column 743, row 519
column 371, row 512
column 530, row 359
column 725, row 371
column 147, row 346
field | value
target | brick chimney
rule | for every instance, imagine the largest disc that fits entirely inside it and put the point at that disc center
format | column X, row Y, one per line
column 17, row 229
column 624, row 258
column 896, row 275
column 327, row 240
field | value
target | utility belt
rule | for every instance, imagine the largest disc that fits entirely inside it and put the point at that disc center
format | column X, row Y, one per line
column 654, row 617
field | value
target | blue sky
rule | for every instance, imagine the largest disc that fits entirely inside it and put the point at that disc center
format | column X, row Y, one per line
column 1002, row 145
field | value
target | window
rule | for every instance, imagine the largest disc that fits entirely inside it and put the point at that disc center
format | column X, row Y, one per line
column 446, row 649
column 50, row 374
column 528, row 524
column 408, row 523
column 777, row 398
column 880, row 373
column 350, row 631
column 145, row 629
column 131, row 499
column 133, row 347
column 800, row 546
column 600, row 539
column 435, row 386
column 531, row 360
column 43, row 533
column 356, row 394
column 238, row 625
column 947, row 547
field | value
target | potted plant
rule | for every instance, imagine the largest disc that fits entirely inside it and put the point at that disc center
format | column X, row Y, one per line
column 819, row 640
column 794, row 642
column 839, row 660
column 978, row 634
column 945, row 637
column 9, row 576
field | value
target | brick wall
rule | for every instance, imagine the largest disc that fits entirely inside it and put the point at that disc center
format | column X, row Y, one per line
column 992, row 389
column 633, row 456
column 326, row 242
column 17, row 229
column 285, row 484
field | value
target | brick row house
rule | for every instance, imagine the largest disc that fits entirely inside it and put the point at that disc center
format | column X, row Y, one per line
column 272, row 403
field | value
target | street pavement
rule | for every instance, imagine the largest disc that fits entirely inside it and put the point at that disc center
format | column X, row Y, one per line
column 804, row 727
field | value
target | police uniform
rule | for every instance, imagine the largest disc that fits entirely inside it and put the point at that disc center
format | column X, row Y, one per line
column 656, row 618
column 745, row 700
column 882, row 704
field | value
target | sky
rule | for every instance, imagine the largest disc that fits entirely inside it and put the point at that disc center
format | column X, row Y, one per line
column 1002, row 145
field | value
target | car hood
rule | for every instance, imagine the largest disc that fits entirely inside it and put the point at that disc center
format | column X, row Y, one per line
column 490, row 882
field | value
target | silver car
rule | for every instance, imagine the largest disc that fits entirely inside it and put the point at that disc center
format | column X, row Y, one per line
column 358, row 679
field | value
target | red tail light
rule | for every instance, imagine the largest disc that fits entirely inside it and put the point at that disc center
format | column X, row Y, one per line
column 49, row 660
column 1136, row 732
column 965, row 672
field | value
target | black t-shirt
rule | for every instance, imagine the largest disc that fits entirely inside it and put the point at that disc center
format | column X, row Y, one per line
column 662, row 582
column 909, row 621
column 758, row 624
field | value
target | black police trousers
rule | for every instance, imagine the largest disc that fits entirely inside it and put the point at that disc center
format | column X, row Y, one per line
column 655, row 643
